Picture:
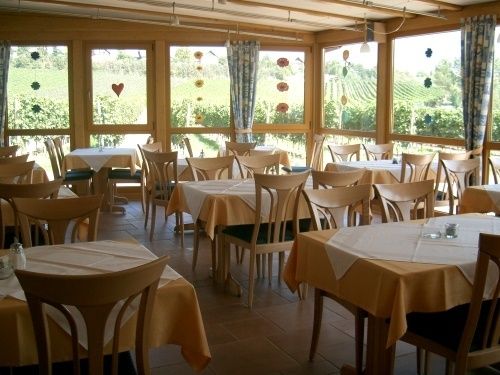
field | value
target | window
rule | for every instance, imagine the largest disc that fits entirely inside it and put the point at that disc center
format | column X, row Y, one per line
column 280, row 88
column 199, row 87
column 495, row 135
column 350, row 88
column 119, row 86
column 427, row 93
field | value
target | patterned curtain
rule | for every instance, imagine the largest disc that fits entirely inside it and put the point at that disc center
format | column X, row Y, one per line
column 4, row 72
column 243, row 60
column 478, row 42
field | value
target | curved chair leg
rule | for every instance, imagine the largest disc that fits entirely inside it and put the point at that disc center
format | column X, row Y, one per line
column 251, row 277
column 318, row 314
column 196, row 244
column 153, row 221
column 359, row 335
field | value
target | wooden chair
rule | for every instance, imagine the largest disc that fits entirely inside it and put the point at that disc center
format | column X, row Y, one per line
column 18, row 173
column 15, row 159
column 344, row 152
column 8, row 151
column 415, row 167
column 58, row 143
column 56, row 217
column 239, row 148
column 98, row 298
column 187, row 143
column 152, row 147
column 10, row 191
column 211, row 168
column 459, row 175
column 468, row 334
column 334, row 208
column 403, row 201
column 314, row 159
column 329, row 179
column 381, row 151
column 494, row 163
column 150, row 139
column 249, row 165
column 162, row 180
column 71, row 177
column 255, row 152
column 441, row 200
column 275, row 224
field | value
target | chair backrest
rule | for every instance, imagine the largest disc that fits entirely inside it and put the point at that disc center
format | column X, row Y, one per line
column 187, row 143
column 54, row 161
column 58, row 143
column 211, row 168
column 344, row 152
column 401, row 202
column 152, row 147
column 97, row 297
column 459, row 174
column 56, row 216
column 150, row 139
column 488, row 263
column 255, row 152
column 381, row 151
column 415, row 167
column 335, row 207
column 277, row 202
column 328, row 179
column 314, row 161
column 162, row 167
column 239, row 148
column 249, row 165
column 15, row 159
column 494, row 163
column 18, row 173
column 8, row 151
column 440, row 176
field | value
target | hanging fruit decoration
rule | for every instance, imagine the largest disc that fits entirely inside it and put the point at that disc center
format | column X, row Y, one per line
column 428, row 83
column 282, row 86
column 35, row 85
column 345, row 70
column 199, row 83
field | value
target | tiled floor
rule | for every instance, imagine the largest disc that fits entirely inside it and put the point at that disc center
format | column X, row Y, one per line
column 272, row 338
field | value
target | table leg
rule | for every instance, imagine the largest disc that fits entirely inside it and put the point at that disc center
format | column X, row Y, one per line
column 223, row 263
column 379, row 359
column 101, row 187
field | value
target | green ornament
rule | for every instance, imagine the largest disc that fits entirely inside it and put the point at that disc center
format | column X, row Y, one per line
column 35, row 85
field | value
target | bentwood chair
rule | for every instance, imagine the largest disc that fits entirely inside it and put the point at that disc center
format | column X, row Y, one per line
column 15, row 159
column 162, row 179
column 329, row 179
column 459, row 175
column 18, row 173
column 379, row 151
column 275, row 223
column 209, row 169
column 8, row 151
column 344, row 152
column 334, row 208
column 189, row 148
column 99, row 299
column 404, row 201
column 314, row 159
column 494, row 162
column 152, row 147
column 467, row 335
column 239, row 148
column 58, row 219
column 10, row 191
column 415, row 167
column 249, row 165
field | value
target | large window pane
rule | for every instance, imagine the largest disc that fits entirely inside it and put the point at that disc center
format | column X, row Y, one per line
column 350, row 87
column 119, row 86
column 293, row 143
column 495, row 136
column 427, row 89
column 280, row 88
column 199, row 81
column 38, row 88
column 203, row 145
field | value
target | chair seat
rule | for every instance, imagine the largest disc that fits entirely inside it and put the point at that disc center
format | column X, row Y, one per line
column 244, row 231
column 124, row 174
column 77, row 175
column 296, row 169
column 446, row 327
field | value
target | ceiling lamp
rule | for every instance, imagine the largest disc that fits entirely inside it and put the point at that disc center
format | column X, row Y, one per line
column 365, row 48
column 174, row 20
column 228, row 40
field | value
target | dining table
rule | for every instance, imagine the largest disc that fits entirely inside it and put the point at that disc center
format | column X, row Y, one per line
column 481, row 198
column 390, row 270
column 176, row 317
column 101, row 160
column 284, row 157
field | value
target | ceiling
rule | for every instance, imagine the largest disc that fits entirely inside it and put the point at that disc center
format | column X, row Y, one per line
column 293, row 16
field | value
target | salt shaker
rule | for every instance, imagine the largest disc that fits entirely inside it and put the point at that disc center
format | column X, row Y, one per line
column 17, row 256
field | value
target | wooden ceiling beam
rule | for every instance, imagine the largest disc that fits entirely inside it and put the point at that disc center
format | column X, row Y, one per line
column 442, row 4
column 299, row 10
column 370, row 6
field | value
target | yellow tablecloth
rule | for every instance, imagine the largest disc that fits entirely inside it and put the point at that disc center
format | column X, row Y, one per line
column 483, row 199
column 176, row 320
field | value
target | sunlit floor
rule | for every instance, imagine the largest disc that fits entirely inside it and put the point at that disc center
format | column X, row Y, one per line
column 272, row 338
